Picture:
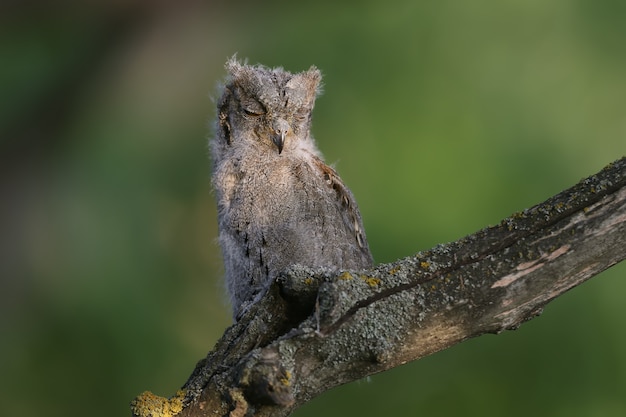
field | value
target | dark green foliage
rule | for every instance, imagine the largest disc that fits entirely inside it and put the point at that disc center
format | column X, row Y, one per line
column 443, row 117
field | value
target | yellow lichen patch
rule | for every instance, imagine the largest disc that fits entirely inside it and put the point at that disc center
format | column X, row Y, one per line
column 147, row 404
column 286, row 380
column 425, row 265
column 241, row 405
column 371, row 281
column 394, row 270
column 308, row 281
column 345, row 276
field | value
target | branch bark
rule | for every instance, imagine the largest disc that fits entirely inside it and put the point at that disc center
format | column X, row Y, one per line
column 315, row 330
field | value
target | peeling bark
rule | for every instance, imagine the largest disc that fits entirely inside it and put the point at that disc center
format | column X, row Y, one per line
column 315, row 330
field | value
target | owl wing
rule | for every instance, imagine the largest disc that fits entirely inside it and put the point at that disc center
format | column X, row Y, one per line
column 350, row 210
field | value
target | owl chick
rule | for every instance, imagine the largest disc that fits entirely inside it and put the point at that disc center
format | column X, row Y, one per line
column 278, row 203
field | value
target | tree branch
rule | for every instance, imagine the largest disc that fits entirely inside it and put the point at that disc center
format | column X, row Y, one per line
column 315, row 330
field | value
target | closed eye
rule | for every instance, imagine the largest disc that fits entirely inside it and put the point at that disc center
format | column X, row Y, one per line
column 252, row 108
column 253, row 112
column 302, row 115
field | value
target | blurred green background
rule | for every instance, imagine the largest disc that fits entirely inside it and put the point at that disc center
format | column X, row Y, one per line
column 442, row 117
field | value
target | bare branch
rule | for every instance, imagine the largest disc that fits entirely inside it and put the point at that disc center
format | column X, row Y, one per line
column 315, row 330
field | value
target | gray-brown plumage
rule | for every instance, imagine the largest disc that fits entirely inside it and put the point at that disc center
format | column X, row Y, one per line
column 278, row 203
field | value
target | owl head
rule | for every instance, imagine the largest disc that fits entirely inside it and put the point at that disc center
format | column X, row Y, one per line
column 266, row 108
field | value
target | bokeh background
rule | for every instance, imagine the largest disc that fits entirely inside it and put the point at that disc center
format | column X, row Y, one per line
column 442, row 117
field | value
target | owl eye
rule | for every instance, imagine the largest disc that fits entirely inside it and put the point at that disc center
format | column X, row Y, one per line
column 253, row 108
column 302, row 115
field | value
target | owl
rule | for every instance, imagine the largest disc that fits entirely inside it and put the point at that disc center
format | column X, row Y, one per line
column 278, row 203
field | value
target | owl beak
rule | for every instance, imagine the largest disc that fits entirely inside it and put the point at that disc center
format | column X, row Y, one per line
column 279, row 140
column 281, row 127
